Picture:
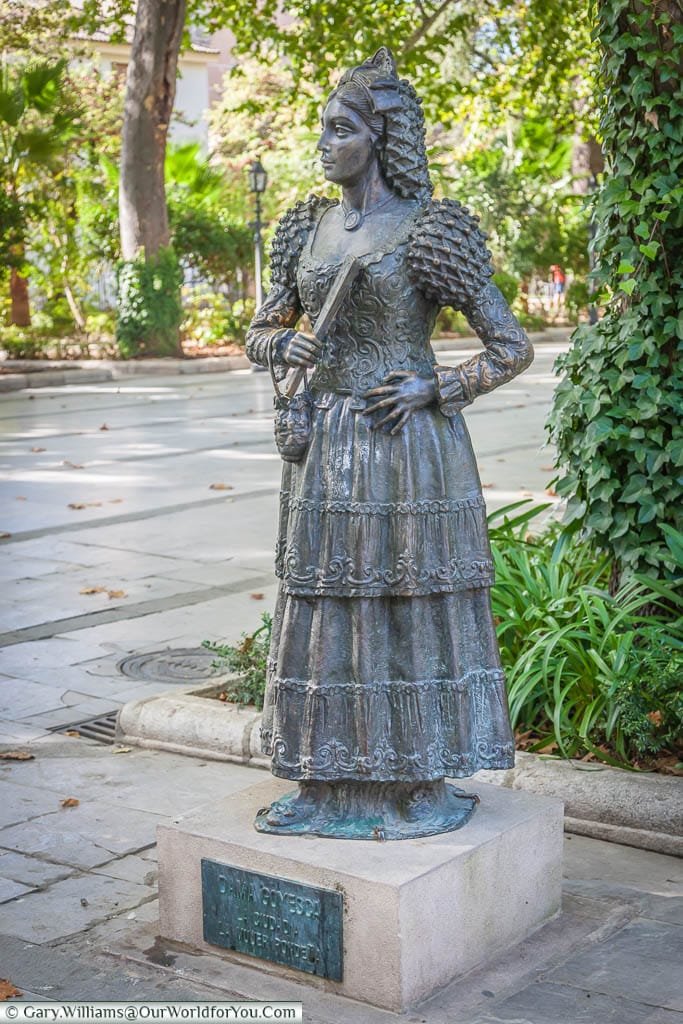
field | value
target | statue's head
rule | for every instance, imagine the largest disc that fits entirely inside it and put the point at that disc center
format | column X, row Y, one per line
column 383, row 119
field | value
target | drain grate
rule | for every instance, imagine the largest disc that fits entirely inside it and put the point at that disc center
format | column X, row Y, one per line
column 174, row 665
column 102, row 728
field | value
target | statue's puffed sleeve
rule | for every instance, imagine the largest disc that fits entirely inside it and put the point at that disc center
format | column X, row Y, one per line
column 451, row 264
column 273, row 324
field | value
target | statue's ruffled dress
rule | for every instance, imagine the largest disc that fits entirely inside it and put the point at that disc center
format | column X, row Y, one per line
column 384, row 662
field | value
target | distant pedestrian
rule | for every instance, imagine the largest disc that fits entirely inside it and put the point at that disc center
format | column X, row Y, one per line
column 559, row 280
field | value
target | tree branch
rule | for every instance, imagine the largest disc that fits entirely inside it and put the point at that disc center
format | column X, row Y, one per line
column 422, row 29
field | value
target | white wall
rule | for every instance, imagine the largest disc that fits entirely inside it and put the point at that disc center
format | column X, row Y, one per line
column 191, row 101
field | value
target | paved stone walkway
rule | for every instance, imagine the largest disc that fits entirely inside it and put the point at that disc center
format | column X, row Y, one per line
column 78, row 884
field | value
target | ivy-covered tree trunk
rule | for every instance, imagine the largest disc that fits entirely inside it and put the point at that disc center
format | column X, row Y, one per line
column 616, row 418
column 149, row 271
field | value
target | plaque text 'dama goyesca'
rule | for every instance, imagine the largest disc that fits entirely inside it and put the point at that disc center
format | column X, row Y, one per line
column 274, row 919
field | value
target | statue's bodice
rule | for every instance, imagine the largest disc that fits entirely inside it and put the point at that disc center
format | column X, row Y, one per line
column 384, row 324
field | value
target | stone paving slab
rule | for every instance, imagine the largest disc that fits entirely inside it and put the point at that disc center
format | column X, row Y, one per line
column 132, row 868
column 70, row 906
column 33, row 873
column 88, row 835
column 9, row 890
column 20, row 697
column 622, row 968
column 20, row 803
column 560, row 1004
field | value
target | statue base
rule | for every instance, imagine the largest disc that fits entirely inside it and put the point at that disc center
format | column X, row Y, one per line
column 368, row 810
column 384, row 923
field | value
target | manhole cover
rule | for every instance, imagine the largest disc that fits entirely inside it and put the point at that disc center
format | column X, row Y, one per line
column 176, row 665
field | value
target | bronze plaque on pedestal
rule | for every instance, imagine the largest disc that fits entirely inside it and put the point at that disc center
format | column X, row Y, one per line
column 272, row 918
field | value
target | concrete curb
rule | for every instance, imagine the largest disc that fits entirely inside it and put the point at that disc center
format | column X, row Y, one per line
column 605, row 803
column 185, row 722
column 624, row 807
column 44, row 373
column 37, row 373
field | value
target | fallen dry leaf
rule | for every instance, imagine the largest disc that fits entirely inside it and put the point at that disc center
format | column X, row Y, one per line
column 551, row 492
column 16, row 755
column 5, row 535
column 121, row 750
column 653, row 118
column 222, row 695
column 115, row 501
column 36, row 449
column 103, row 590
column 20, row 497
column 485, row 487
column 655, row 717
column 70, row 801
column 72, row 465
column 72, row 732
column 104, row 427
column 84, row 504
column 256, row 597
column 221, row 487
column 8, row 990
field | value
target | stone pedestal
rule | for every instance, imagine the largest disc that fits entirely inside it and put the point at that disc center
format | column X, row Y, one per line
column 417, row 913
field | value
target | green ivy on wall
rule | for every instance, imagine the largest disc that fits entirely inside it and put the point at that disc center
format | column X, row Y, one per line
column 616, row 419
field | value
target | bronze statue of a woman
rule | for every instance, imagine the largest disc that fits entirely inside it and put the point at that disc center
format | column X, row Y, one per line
column 384, row 676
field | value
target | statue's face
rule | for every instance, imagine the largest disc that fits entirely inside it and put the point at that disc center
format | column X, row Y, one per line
column 346, row 145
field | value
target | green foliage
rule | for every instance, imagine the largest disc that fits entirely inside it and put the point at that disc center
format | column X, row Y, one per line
column 518, row 52
column 509, row 285
column 209, row 318
column 249, row 659
column 577, row 299
column 149, row 310
column 616, row 416
column 206, row 236
column 519, row 183
column 38, row 122
column 449, row 321
column 583, row 666
column 649, row 698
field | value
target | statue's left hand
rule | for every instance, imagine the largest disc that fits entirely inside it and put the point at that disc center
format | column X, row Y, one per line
column 401, row 393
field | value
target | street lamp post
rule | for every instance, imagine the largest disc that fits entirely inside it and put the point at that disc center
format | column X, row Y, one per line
column 258, row 180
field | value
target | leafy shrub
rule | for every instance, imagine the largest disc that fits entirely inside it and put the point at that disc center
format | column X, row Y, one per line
column 584, row 666
column 210, row 318
column 24, row 342
column 149, row 309
column 577, row 299
column 451, row 322
column 530, row 321
column 649, row 696
column 508, row 284
column 249, row 659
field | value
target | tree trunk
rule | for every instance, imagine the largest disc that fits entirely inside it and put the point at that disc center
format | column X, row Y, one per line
column 20, row 311
column 150, row 94
column 587, row 162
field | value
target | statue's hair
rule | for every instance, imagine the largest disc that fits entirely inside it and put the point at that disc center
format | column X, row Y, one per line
column 399, row 129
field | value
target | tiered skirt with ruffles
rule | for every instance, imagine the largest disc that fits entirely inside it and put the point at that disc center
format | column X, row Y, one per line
column 384, row 663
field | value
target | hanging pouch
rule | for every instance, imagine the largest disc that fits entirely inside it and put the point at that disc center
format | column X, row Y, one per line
column 293, row 418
